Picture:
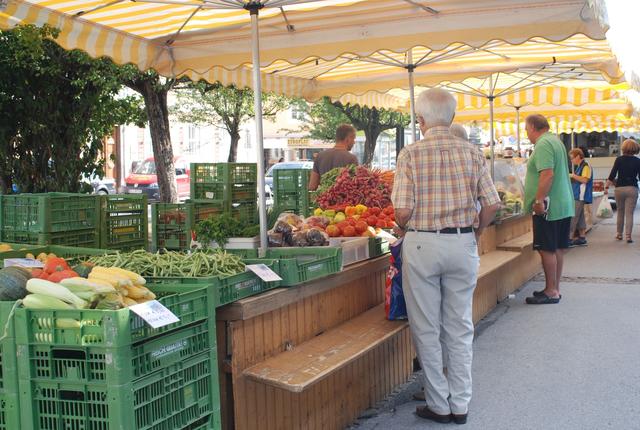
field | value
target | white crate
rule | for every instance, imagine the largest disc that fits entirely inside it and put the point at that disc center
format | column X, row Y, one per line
column 233, row 243
column 354, row 249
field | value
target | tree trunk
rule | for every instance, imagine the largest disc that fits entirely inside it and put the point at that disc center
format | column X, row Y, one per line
column 155, row 101
column 371, row 139
column 233, row 148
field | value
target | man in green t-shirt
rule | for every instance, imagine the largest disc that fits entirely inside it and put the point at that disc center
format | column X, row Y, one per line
column 548, row 196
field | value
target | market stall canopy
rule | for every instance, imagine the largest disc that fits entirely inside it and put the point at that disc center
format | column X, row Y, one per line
column 613, row 115
column 177, row 37
column 576, row 124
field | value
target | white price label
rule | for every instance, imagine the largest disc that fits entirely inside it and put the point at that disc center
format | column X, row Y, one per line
column 154, row 313
column 23, row 262
column 209, row 195
column 264, row 272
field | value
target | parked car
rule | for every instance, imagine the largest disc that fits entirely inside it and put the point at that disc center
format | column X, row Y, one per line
column 143, row 179
column 102, row 186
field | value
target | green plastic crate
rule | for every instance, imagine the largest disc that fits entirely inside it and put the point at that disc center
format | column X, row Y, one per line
column 174, row 398
column 290, row 180
column 247, row 211
column 88, row 238
column 190, row 303
column 10, row 411
column 114, row 366
column 8, row 363
column 378, row 247
column 172, row 223
column 68, row 252
column 227, row 173
column 124, row 223
column 231, row 288
column 48, row 212
column 299, row 265
column 225, row 193
column 17, row 247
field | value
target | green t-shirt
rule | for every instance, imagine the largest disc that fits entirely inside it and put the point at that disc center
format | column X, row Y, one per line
column 550, row 153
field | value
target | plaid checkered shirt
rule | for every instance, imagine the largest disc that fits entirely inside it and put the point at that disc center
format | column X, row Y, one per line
column 441, row 178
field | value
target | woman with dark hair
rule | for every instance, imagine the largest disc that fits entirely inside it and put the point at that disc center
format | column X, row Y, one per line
column 624, row 176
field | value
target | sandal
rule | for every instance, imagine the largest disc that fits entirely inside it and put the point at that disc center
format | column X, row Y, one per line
column 541, row 293
column 618, row 237
column 542, row 300
column 629, row 240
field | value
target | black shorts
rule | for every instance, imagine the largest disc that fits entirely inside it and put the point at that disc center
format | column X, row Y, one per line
column 550, row 235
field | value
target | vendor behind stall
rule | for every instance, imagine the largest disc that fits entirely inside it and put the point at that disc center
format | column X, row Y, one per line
column 338, row 156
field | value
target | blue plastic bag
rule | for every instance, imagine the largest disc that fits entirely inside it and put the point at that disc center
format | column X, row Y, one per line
column 395, row 305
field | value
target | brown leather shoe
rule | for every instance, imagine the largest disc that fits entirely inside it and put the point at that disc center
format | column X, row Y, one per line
column 428, row 414
column 459, row 418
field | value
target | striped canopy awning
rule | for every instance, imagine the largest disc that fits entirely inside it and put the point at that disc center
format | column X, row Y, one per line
column 575, row 124
column 211, row 38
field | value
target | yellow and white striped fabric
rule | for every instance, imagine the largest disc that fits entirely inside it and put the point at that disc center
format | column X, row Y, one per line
column 575, row 124
column 177, row 37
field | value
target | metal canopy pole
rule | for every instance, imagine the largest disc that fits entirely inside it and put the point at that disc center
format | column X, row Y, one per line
column 257, row 106
column 491, row 132
column 410, row 68
column 573, row 140
column 518, row 128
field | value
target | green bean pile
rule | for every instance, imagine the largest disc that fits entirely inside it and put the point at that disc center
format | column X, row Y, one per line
column 174, row 264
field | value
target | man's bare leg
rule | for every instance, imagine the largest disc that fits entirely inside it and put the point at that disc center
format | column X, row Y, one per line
column 559, row 264
column 550, row 267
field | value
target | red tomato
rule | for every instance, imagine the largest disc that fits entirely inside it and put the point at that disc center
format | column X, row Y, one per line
column 349, row 231
column 372, row 221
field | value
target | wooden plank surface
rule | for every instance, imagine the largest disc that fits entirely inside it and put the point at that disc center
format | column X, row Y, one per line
column 317, row 358
column 495, row 260
column 517, row 244
column 275, row 299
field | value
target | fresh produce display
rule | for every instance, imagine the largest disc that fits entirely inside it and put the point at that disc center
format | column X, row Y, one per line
column 292, row 230
column 354, row 185
column 5, row 247
column 105, row 288
column 350, row 221
column 509, row 187
column 174, row 264
column 220, row 228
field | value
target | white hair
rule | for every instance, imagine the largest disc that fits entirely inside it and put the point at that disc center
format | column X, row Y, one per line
column 459, row 131
column 436, row 107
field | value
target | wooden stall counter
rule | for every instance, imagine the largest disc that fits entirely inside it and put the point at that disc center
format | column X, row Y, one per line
column 311, row 356
column 316, row 355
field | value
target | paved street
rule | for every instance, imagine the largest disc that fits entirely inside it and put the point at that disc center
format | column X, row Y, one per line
column 569, row 366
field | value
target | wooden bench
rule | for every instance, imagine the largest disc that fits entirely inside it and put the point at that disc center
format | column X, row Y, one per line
column 517, row 244
column 317, row 358
column 494, row 260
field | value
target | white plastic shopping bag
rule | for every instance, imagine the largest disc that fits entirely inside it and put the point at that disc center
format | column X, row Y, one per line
column 604, row 208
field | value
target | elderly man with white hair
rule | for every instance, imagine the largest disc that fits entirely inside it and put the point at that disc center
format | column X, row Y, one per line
column 438, row 182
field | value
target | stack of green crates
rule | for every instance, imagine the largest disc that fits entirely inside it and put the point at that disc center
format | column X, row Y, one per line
column 173, row 223
column 50, row 219
column 124, row 223
column 290, row 189
column 9, row 392
column 234, row 186
column 111, row 370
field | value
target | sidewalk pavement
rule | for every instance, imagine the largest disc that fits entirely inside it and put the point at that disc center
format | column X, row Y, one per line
column 575, row 365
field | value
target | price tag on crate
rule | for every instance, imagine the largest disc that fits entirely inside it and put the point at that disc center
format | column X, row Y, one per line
column 264, row 272
column 23, row 262
column 154, row 313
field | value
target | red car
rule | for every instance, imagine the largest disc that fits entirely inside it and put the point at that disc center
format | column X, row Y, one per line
column 143, row 179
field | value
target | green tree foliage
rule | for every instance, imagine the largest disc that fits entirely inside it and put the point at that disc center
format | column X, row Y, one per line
column 214, row 104
column 324, row 117
column 56, row 107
